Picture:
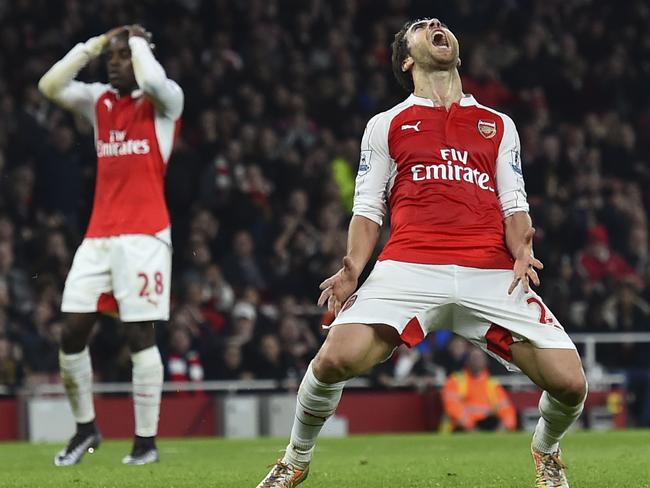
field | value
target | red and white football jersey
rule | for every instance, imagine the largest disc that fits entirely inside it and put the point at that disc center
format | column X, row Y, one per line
column 448, row 178
column 132, row 152
column 134, row 138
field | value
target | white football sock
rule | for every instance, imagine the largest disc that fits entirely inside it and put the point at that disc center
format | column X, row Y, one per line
column 77, row 377
column 316, row 402
column 147, row 389
column 555, row 421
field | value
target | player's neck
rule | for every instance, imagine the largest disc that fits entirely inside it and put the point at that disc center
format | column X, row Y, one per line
column 443, row 87
column 125, row 92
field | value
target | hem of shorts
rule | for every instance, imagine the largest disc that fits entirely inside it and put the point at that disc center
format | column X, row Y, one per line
column 103, row 235
column 92, row 309
column 371, row 323
column 552, row 346
column 366, row 321
column 144, row 318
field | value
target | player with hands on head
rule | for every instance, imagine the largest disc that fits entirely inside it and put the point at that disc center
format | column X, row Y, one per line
column 123, row 265
column 460, row 255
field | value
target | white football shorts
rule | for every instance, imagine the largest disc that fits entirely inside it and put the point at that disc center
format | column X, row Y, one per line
column 128, row 274
column 474, row 303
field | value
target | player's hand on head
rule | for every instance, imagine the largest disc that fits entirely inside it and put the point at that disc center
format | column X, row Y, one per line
column 337, row 288
column 116, row 31
column 525, row 265
column 136, row 30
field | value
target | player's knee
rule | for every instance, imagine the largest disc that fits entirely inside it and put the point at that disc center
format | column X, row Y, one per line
column 333, row 367
column 72, row 339
column 571, row 389
column 140, row 336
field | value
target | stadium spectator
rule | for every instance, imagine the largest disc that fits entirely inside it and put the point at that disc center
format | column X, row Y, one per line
column 599, row 261
column 626, row 310
column 472, row 400
column 270, row 362
column 221, row 296
column 242, row 329
column 16, row 278
column 297, row 341
column 183, row 363
column 232, row 366
column 453, row 356
column 243, row 268
column 11, row 371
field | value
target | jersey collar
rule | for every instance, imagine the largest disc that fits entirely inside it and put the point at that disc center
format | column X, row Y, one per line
column 134, row 94
column 466, row 101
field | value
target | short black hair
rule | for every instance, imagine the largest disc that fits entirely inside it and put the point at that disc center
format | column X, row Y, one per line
column 400, row 52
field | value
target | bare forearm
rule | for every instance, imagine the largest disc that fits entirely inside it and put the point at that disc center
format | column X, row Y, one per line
column 517, row 226
column 362, row 238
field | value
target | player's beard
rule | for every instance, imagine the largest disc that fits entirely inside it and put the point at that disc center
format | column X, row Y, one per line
column 429, row 62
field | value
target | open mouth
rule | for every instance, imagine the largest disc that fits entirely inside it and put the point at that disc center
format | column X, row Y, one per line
column 439, row 39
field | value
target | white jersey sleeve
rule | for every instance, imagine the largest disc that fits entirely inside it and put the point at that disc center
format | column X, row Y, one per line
column 510, row 178
column 376, row 171
column 59, row 85
column 166, row 95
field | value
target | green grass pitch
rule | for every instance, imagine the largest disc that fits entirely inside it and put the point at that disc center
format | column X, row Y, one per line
column 607, row 460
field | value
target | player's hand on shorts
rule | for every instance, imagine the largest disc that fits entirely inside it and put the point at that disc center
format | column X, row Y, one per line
column 337, row 288
column 525, row 265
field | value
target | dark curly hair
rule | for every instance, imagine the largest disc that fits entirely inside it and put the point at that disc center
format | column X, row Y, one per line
column 400, row 52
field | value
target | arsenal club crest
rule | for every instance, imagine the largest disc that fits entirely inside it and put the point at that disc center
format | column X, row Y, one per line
column 349, row 303
column 487, row 128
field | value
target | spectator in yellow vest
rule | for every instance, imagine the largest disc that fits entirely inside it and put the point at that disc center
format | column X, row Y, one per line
column 472, row 400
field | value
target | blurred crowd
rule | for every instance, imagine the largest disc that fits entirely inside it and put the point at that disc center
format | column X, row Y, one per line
column 260, row 186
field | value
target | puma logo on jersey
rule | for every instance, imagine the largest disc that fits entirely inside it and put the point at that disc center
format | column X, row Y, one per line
column 109, row 104
column 415, row 126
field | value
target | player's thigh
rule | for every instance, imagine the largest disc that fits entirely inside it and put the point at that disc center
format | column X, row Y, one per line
column 511, row 318
column 88, row 283
column 141, row 266
column 520, row 330
column 558, row 371
column 352, row 349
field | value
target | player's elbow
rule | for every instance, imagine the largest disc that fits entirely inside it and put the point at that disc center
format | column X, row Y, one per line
column 373, row 212
column 152, row 83
column 513, row 202
column 46, row 86
column 149, row 87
